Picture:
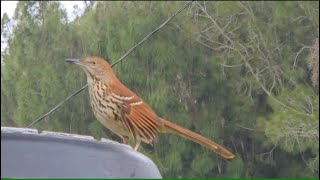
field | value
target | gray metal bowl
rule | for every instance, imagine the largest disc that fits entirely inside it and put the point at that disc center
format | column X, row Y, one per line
column 26, row 153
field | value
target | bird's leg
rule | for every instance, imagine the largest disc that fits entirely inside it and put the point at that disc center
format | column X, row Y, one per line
column 125, row 139
column 137, row 144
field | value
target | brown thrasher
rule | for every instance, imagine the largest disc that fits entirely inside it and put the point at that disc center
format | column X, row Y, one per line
column 124, row 113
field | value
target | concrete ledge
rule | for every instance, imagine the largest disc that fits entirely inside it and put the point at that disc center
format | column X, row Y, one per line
column 26, row 153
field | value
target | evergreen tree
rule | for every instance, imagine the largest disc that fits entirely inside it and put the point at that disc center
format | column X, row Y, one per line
column 241, row 73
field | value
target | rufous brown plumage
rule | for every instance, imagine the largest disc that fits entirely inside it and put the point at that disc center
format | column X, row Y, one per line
column 127, row 115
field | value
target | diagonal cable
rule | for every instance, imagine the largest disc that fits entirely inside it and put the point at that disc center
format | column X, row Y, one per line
column 119, row 60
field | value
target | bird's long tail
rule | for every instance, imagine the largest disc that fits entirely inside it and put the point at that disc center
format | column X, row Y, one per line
column 183, row 132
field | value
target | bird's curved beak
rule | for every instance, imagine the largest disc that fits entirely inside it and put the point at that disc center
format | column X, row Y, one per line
column 73, row 60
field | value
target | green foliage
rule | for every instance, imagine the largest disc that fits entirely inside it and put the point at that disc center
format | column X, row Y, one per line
column 236, row 168
column 295, row 132
column 202, row 164
column 235, row 72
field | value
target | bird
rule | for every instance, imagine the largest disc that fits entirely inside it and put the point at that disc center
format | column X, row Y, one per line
column 124, row 113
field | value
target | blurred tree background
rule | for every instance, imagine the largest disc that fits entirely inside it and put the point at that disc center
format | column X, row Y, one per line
column 245, row 74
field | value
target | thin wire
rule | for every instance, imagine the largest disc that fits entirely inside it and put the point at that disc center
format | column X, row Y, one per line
column 154, row 31
column 57, row 106
column 120, row 59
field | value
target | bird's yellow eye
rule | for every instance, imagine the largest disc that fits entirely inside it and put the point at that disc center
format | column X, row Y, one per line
column 94, row 62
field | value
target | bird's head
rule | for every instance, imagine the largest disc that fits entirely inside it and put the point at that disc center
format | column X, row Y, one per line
column 96, row 68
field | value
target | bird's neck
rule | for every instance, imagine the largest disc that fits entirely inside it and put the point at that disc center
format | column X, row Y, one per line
column 107, row 81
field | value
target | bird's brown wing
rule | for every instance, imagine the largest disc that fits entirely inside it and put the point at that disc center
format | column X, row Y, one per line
column 137, row 116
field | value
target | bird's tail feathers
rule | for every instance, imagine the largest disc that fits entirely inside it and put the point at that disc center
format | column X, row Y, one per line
column 183, row 132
